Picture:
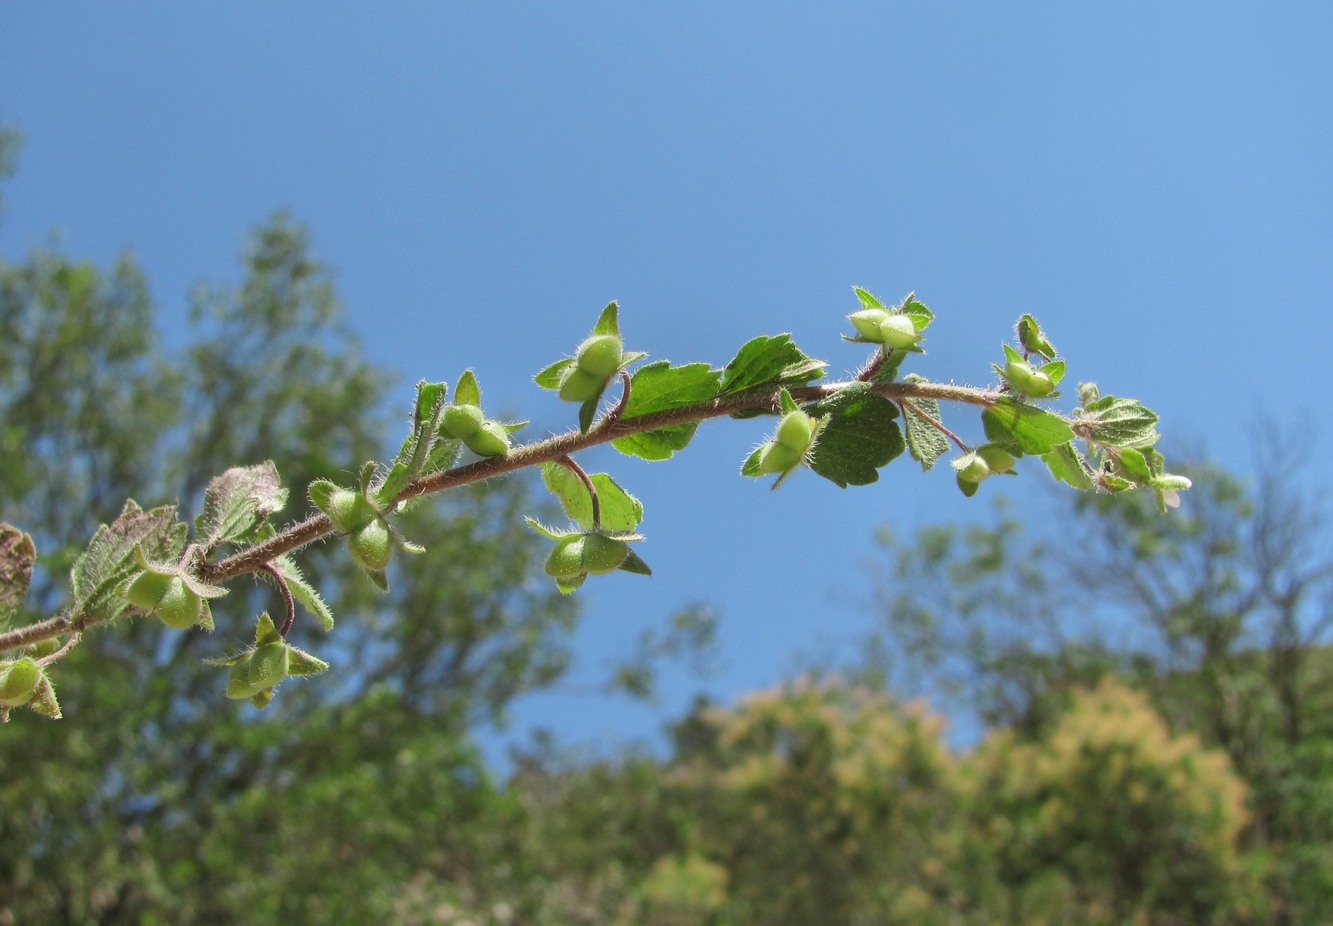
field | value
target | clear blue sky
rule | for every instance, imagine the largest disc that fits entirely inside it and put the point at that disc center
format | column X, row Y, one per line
column 1153, row 181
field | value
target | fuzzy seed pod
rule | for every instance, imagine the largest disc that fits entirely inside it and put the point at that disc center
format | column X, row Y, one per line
column 899, row 331
column 600, row 355
column 349, row 511
column 1028, row 381
column 867, row 322
column 794, row 431
column 18, row 682
column 578, row 385
column 463, row 421
column 778, row 458
column 490, row 440
column 372, row 545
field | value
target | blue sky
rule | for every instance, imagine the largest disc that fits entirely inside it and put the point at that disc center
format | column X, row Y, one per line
column 1151, row 181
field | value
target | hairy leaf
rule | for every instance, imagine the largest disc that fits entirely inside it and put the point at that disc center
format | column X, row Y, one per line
column 237, row 501
column 859, row 437
column 1021, row 428
column 769, row 361
column 17, row 557
column 109, row 557
column 620, row 511
column 660, row 387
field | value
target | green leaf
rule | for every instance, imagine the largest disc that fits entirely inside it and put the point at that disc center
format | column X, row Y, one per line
column 751, row 465
column 925, row 441
column 1131, row 465
column 887, row 371
column 304, row 592
column 109, row 557
column 1055, row 370
column 17, row 557
column 1118, row 422
column 549, row 378
column 919, row 313
column 588, row 411
column 607, row 323
column 1021, row 428
column 549, row 532
column 414, row 453
column 660, row 387
column 635, row 564
column 620, row 511
column 1066, row 465
column 467, row 392
column 237, row 501
column 859, row 437
column 769, row 361
column 867, row 300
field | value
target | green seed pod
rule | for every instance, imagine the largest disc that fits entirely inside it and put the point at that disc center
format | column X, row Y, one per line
column 794, row 431
column 268, row 665
column 602, row 554
column 1028, row 381
column 566, row 560
column 578, row 385
column 179, row 608
column 997, row 458
column 972, row 468
column 867, row 322
column 18, row 682
column 372, row 545
column 349, row 511
column 899, row 331
column 600, row 355
column 148, row 589
column 580, row 554
column 43, row 648
column 490, row 440
column 778, row 458
column 462, row 420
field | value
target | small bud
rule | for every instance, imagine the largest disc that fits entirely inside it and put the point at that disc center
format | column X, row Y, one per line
column 867, row 322
column 372, row 545
column 578, row 385
column 899, row 331
column 1028, row 381
column 1033, row 339
column 490, row 440
column 462, row 421
column 794, row 431
column 349, row 511
column 600, row 355
column 18, row 682
column 778, row 458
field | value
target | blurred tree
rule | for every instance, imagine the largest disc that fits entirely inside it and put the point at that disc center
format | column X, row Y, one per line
column 1221, row 612
column 100, row 821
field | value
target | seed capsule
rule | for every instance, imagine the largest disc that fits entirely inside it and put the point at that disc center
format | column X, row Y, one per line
column 794, row 431
column 997, row 459
column 600, row 355
column 490, row 440
column 899, row 331
column 18, row 682
column 463, row 421
column 349, row 511
column 180, row 608
column 867, row 322
column 778, row 458
column 578, row 385
column 1028, row 381
column 372, row 545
